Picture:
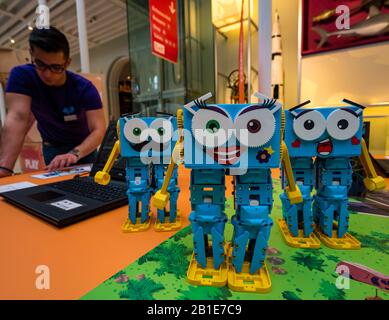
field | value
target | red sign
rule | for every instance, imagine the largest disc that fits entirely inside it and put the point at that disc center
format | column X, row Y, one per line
column 31, row 157
column 164, row 29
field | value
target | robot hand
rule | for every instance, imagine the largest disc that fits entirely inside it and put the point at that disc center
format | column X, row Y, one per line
column 161, row 199
column 102, row 178
column 374, row 184
column 294, row 196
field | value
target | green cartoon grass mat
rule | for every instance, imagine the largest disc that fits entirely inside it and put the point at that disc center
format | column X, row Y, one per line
column 295, row 273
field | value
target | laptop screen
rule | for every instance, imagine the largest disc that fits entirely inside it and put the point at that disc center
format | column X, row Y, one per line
column 118, row 171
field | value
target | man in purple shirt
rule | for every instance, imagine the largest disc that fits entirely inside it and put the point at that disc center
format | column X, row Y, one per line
column 67, row 107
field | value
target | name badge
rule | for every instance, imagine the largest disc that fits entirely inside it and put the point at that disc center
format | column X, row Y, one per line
column 71, row 117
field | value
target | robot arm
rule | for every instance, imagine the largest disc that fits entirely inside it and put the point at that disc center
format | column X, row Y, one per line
column 103, row 177
column 292, row 191
column 161, row 197
column 180, row 124
column 373, row 181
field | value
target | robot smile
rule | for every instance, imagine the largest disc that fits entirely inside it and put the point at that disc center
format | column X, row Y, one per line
column 325, row 147
column 138, row 146
column 225, row 156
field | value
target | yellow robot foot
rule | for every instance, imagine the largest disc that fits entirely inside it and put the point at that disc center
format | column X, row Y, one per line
column 208, row 276
column 348, row 242
column 129, row 227
column 167, row 225
column 312, row 242
column 258, row 282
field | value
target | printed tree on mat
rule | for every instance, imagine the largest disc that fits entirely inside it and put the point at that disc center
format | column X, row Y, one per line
column 376, row 241
column 141, row 290
column 330, row 291
column 120, row 273
column 289, row 295
column 182, row 234
column 205, row 293
column 310, row 261
column 172, row 258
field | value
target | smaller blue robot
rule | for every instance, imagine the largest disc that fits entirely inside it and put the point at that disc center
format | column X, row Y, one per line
column 321, row 143
column 146, row 144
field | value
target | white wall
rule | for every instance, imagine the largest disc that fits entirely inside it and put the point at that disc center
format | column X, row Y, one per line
column 228, row 56
column 102, row 57
column 360, row 74
column 289, row 15
column 10, row 59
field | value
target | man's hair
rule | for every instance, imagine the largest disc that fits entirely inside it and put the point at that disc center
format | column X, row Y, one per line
column 49, row 40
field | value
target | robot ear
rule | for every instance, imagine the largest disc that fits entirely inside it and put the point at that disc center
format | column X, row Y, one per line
column 359, row 106
column 293, row 110
column 199, row 102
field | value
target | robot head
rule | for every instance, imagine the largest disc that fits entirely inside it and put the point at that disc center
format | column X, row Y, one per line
column 237, row 136
column 324, row 132
column 151, row 138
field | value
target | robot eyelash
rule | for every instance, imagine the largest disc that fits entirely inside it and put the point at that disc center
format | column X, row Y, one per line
column 269, row 103
column 293, row 110
column 128, row 116
column 200, row 103
column 359, row 106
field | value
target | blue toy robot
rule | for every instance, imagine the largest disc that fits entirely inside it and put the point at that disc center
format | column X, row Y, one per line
column 146, row 143
column 242, row 140
column 321, row 143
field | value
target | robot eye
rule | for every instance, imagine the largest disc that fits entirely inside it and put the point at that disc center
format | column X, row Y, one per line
column 161, row 131
column 135, row 131
column 255, row 128
column 310, row 125
column 342, row 125
column 211, row 128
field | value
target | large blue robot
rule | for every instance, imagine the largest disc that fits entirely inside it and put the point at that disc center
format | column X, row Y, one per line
column 321, row 143
column 146, row 143
column 243, row 140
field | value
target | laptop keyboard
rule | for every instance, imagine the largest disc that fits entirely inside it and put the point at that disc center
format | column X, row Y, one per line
column 89, row 189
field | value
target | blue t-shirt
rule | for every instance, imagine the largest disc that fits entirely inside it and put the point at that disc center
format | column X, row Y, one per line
column 60, row 111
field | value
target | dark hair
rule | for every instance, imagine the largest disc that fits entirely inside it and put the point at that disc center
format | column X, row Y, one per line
column 49, row 40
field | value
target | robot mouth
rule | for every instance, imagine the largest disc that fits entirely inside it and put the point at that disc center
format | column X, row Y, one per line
column 225, row 156
column 139, row 146
column 325, row 147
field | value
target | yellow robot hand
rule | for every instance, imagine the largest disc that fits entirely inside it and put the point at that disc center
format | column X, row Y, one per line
column 161, row 199
column 294, row 196
column 373, row 181
column 374, row 184
column 102, row 178
column 292, row 190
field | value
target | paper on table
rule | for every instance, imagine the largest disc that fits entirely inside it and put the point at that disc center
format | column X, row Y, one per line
column 16, row 186
column 65, row 172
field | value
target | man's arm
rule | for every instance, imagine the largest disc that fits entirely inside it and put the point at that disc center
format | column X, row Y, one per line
column 14, row 131
column 97, row 128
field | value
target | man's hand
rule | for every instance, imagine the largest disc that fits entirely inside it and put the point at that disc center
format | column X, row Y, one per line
column 17, row 123
column 62, row 161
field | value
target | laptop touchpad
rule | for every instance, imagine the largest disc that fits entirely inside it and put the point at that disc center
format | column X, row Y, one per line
column 46, row 196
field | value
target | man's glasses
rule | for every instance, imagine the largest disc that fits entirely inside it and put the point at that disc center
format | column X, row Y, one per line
column 54, row 68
